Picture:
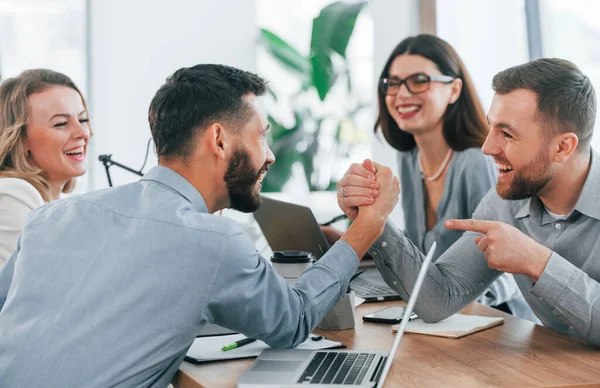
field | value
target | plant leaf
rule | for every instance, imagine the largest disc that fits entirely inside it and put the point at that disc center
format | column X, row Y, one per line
column 308, row 156
column 280, row 171
column 277, row 131
column 323, row 74
column 271, row 93
column 285, row 53
column 333, row 27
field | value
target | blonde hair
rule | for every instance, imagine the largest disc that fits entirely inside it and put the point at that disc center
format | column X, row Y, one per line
column 14, row 113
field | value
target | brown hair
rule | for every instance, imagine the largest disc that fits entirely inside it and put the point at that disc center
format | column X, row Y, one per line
column 14, row 113
column 465, row 125
column 566, row 97
column 193, row 98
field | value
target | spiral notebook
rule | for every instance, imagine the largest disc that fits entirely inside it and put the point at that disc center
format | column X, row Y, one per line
column 456, row 326
column 209, row 348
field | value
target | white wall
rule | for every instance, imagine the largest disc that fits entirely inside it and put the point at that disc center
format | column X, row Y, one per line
column 135, row 45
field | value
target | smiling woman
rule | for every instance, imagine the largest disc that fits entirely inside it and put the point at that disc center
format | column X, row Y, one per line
column 44, row 131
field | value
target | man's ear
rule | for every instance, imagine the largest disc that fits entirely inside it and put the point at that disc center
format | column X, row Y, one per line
column 456, row 86
column 565, row 146
column 218, row 140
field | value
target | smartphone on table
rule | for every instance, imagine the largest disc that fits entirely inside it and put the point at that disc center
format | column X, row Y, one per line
column 390, row 315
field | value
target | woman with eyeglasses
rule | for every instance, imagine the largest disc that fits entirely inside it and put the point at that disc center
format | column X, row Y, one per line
column 429, row 112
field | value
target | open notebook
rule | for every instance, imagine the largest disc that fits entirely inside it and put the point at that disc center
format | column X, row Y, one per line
column 209, row 348
column 456, row 326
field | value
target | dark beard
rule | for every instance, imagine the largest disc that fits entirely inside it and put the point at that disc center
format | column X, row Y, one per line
column 531, row 181
column 240, row 179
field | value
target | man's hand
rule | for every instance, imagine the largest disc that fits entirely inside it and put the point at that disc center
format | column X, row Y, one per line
column 358, row 187
column 506, row 248
column 387, row 198
column 359, row 203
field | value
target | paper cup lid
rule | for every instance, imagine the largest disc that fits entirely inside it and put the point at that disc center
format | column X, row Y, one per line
column 292, row 257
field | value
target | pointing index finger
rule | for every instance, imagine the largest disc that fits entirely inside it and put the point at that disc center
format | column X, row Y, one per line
column 478, row 226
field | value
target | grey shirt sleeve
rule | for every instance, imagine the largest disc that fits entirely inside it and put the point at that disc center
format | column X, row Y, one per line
column 573, row 296
column 456, row 279
column 250, row 297
column 480, row 178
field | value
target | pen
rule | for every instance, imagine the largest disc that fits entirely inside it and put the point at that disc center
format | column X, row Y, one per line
column 237, row 344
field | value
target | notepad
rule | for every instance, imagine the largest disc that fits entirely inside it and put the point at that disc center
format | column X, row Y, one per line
column 456, row 326
column 209, row 348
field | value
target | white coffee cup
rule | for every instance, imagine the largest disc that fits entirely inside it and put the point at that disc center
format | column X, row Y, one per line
column 291, row 264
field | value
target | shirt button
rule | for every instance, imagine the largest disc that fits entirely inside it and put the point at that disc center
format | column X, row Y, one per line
column 394, row 282
column 383, row 244
column 558, row 226
column 374, row 253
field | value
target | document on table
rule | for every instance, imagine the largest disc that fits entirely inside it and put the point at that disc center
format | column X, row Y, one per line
column 456, row 326
column 209, row 348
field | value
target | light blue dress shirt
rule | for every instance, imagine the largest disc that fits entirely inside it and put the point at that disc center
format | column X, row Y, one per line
column 109, row 289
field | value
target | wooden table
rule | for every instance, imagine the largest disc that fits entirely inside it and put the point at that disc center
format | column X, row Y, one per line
column 517, row 353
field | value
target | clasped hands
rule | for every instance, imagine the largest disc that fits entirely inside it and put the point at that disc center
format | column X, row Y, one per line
column 506, row 249
column 362, row 184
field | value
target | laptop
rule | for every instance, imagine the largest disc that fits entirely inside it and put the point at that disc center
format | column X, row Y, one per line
column 329, row 368
column 288, row 226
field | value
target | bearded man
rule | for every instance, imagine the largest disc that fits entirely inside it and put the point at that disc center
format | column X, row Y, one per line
column 110, row 288
column 542, row 221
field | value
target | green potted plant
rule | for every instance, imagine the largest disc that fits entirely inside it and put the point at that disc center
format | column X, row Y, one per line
column 317, row 134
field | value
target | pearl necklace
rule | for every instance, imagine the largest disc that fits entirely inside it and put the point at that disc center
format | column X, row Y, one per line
column 439, row 172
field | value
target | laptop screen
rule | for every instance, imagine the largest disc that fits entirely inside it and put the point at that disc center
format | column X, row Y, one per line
column 290, row 227
column 407, row 313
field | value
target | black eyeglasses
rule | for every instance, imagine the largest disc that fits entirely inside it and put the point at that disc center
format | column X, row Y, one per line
column 416, row 83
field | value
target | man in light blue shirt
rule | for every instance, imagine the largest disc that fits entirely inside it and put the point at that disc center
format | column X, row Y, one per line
column 109, row 289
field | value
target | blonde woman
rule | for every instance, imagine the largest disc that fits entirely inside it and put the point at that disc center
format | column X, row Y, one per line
column 44, row 132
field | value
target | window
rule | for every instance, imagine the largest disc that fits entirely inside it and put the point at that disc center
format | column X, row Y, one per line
column 49, row 34
column 570, row 30
column 45, row 34
column 489, row 36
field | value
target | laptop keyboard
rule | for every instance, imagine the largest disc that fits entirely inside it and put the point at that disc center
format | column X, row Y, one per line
column 364, row 287
column 337, row 368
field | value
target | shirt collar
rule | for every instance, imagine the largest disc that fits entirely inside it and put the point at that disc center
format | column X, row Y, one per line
column 586, row 203
column 525, row 209
column 170, row 178
column 533, row 207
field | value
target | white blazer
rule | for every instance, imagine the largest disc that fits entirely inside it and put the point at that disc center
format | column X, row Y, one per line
column 18, row 198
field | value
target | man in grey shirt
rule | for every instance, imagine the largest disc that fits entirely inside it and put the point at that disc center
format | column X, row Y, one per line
column 542, row 221
column 109, row 289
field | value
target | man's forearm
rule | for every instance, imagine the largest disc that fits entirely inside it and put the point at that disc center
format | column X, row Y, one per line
column 362, row 233
column 573, row 294
column 457, row 278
